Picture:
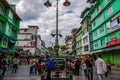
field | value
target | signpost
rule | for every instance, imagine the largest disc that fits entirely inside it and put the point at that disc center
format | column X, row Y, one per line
column 59, row 64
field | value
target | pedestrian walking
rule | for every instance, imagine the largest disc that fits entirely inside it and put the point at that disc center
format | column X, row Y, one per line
column 50, row 64
column 101, row 67
column 77, row 66
column 15, row 63
column 89, row 67
column 84, row 68
column 3, row 65
column 108, row 62
column 30, row 64
column 39, row 67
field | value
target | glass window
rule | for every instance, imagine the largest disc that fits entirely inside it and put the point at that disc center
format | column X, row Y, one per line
column 99, row 8
column 85, row 39
column 113, row 37
column 114, row 23
column 100, row 18
column 96, row 44
column 109, row 10
column 102, row 41
column 95, row 33
column 101, row 29
column 12, row 32
column 108, row 25
column 86, row 48
column 4, row 42
column 1, row 25
column 107, row 1
column 2, row 10
column 93, row 15
column 94, row 23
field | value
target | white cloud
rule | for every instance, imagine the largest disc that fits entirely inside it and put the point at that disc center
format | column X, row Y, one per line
column 35, row 13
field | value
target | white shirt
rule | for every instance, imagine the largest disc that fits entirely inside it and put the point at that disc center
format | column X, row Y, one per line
column 101, row 66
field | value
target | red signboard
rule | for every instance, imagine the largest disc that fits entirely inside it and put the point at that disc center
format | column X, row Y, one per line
column 113, row 42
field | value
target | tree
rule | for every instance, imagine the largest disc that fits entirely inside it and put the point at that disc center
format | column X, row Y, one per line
column 63, row 47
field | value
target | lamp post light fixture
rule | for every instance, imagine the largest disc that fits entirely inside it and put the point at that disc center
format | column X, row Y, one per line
column 48, row 4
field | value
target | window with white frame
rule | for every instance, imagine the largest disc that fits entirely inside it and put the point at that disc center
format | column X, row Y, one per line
column 113, row 37
column 86, row 48
column 109, row 10
column 93, row 15
column 101, row 29
column 85, row 39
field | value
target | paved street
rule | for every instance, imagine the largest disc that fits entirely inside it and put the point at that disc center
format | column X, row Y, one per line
column 23, row 74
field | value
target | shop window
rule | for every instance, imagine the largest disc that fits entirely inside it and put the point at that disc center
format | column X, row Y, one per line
column 102, row 41
column 101, row 29
column 86, row 48
column 109, row 10
column 113, row 37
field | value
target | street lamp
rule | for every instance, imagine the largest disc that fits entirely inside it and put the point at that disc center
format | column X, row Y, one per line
column 48, row 4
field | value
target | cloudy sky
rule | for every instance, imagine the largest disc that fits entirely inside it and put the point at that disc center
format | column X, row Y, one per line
column 33, row 12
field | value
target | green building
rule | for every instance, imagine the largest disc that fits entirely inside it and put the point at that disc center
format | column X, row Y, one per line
column 85, row 32
column 9, row 27
column 78, row 41
column 105, row 29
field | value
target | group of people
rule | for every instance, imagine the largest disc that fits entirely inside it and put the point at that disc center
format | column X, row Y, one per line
column 5, row 64
column 87, row 64
column 37, row 67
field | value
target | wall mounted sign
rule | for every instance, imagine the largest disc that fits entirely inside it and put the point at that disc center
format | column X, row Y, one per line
column 113, row 42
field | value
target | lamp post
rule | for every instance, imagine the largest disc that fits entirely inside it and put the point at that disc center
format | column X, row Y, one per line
column 48, row 4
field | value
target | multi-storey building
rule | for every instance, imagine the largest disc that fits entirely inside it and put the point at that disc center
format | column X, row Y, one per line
column 29, row 40
column 9, row 27
column 85, row 32
column 68, row 43
column 105, row 28
column 78, row 38
column 73, row 41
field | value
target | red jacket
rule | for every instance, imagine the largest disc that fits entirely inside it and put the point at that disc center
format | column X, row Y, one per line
column 39, row 66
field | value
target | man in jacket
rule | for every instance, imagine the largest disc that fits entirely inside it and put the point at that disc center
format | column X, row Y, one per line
column 50, row 64
column 101, row 67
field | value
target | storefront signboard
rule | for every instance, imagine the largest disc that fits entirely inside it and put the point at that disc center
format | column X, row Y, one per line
column 113, row 42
